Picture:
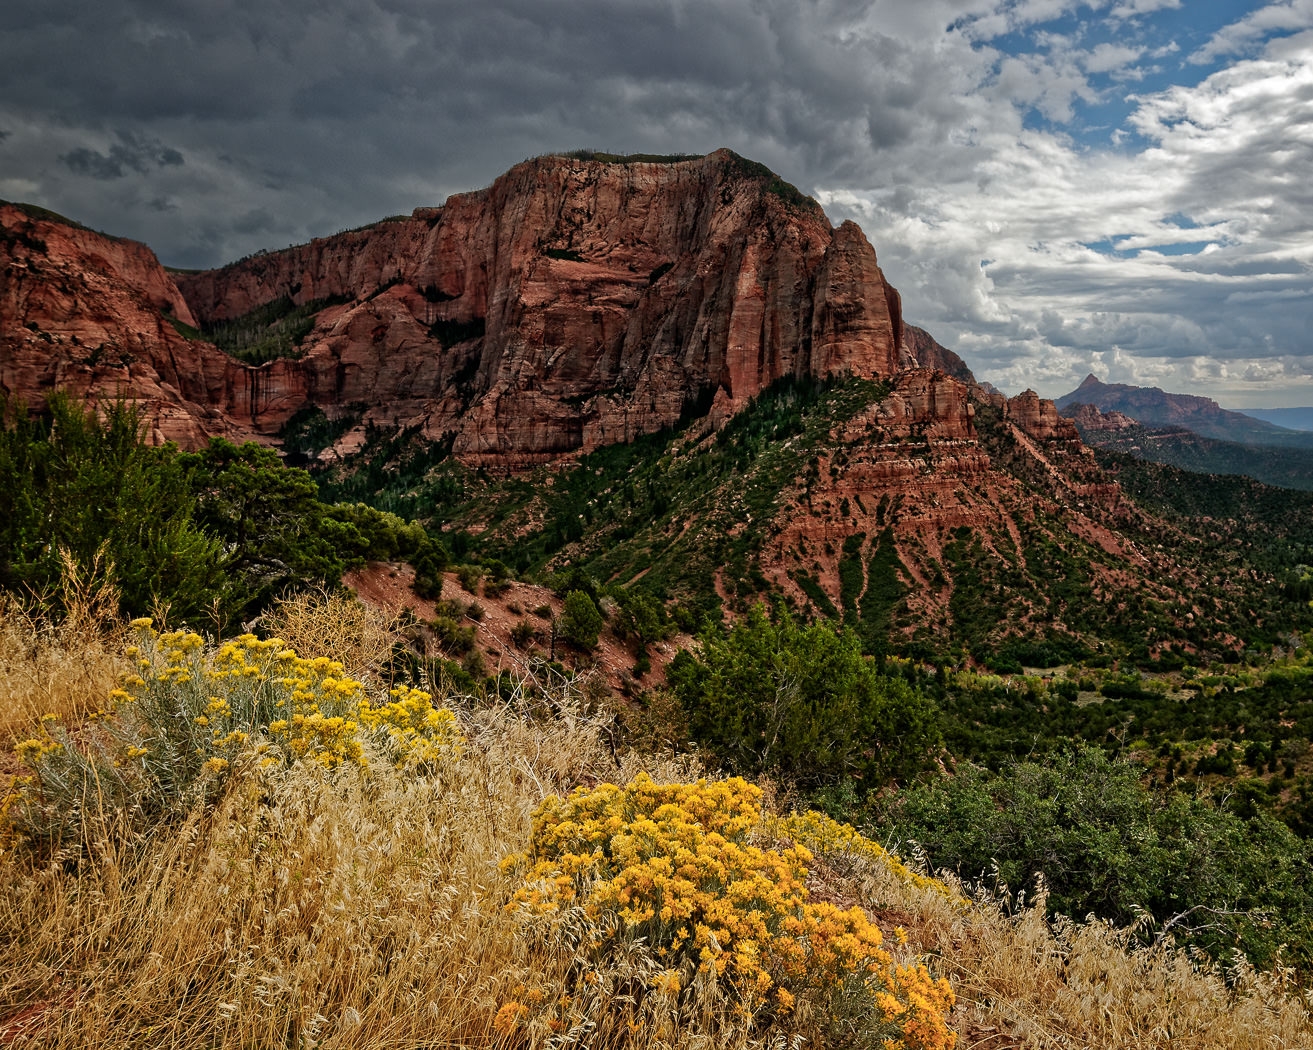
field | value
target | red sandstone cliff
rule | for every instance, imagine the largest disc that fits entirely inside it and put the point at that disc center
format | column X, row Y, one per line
column 1038, row 418
column 1089, row 418
column 911, row 471
column 573, row 304
column 569, row 305
column 88, row 313
column 922, row 350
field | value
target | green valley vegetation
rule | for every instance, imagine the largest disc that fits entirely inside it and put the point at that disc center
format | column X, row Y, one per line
column 663, row 507
column 678, row 508
column 213, row 536
column 1288, row 467
column 1083, row 830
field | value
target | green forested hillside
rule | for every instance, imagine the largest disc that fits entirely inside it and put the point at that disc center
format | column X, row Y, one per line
column 1176, row 447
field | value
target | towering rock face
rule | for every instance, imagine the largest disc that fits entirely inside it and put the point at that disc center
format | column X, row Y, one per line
column 574, row 304
column 924, row 351
column 1038, row 418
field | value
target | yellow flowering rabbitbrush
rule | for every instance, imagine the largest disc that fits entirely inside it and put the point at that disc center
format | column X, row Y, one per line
column 676, row 865
column 190, row 716
column 412, row 730
column 826, row 837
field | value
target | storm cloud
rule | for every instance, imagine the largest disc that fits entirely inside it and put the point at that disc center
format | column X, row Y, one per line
column 130, row 154
column 1054, row 187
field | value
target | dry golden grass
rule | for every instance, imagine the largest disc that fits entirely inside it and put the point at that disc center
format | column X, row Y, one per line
column 1024, row 981
column 63, row 665
column 366, row 909
column 314, row 908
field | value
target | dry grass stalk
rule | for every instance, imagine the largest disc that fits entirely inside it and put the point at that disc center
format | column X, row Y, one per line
column 1025, row 981
column 314, row 908
column 59, row 664
column 358, row 636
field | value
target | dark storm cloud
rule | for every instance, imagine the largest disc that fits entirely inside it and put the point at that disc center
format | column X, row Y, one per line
column 472, row 79
column 131, row 153
column 329, row 115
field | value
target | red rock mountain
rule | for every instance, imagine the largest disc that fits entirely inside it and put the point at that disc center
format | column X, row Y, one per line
column 572, row 304
column 90, row 314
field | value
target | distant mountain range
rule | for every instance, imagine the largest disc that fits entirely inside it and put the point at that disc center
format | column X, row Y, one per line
column 1156, row 408
column 1290, row 418
column 1190, row 432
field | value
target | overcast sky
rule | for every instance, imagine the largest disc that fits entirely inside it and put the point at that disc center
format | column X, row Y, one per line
column 1056, row 187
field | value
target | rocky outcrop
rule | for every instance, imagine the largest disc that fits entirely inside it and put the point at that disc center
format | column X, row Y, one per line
column 924, row 351
column 1088, row 419
column 1038, row 418
column 94, row 315
column 938, row 479
column 924, row 404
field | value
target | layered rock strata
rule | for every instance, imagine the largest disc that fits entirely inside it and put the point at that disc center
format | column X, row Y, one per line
column 913, row 470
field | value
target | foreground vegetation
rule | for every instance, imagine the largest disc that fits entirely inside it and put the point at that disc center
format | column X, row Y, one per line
column 553, row 864
column 212, row 536
column 389, row 868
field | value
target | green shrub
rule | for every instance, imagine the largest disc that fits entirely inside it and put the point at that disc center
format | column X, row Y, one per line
column 89, row 487
column 802, row 702
column 454, row 637
column 581, row 620
column 276, row 533
column 1105, row 844
column 524, row 634
column 469, row 576
column 641, row 619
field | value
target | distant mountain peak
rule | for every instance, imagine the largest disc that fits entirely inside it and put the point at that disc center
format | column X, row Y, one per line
column 1153, row 407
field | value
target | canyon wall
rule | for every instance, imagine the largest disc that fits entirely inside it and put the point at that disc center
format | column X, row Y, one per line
column 574, row 304
column 571, row 304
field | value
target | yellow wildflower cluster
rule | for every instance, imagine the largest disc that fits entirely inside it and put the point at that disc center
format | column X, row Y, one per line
column 824, row 836
column 32, row 750
column 307, row 708
column 509, row 1017
column 188, row 716
column 675, row 864
column 249, row 686
column 416, row 732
